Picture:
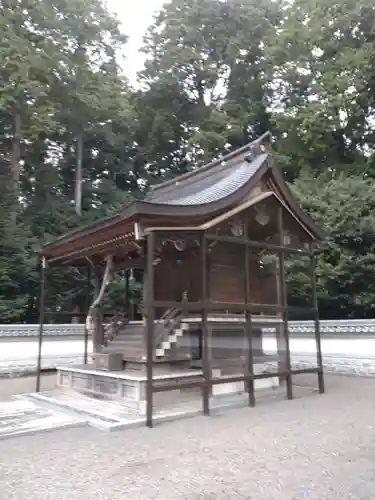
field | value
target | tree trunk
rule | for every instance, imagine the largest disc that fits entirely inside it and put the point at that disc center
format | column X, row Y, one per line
column 78, row 175
column 91, row 318
column 76, row 319
column 16, row 163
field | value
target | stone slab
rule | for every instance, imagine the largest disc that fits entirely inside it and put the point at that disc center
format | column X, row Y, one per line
column 90, row 369
column 111, row 416
column 18, row 418
column 104, row 415
column 129, row 389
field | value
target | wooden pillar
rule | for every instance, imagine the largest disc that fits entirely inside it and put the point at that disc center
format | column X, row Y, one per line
column 43, row 273
column 207, row 374
column 280, row 336
column 317, row 324
column 85, row 354
column 98, row 332
column 126, row 297
column 149, row 329
column 249, row 325
column 284, row 303
column 144, row 292
column 131, row 302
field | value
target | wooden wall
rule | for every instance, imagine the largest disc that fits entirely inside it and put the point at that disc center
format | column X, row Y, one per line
column 181, row 271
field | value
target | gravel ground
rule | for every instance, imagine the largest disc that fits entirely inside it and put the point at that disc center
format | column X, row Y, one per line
column 316, row 447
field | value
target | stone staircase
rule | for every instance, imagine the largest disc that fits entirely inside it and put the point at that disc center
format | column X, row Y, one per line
column 128, row 338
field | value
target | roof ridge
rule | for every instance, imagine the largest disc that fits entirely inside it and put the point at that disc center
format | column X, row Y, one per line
column 211, row 164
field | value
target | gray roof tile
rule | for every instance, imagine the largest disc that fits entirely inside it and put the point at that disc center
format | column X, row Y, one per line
column 217, row 183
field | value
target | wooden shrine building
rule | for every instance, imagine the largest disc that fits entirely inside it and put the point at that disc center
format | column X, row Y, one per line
column 212, row 245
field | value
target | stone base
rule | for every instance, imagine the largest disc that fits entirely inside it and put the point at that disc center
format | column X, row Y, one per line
column 126, row 388
column 129, row 388
column 159, row 368
column 239, row 387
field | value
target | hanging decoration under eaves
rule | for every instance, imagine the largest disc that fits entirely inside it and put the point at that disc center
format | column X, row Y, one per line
column 180, row 245
column 237, row 229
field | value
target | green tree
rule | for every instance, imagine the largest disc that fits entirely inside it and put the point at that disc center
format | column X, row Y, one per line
column 214, row 70
column 92, row 95
column 344, row 206
column 323, row 66
column 63, row 103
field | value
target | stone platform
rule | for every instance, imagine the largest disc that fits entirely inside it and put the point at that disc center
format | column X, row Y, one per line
column 128, row 388
column 116, row 400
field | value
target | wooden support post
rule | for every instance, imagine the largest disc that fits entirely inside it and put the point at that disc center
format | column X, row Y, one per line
column 317, row 324
column 126, row 298
column 85, row 354
column 98, row 324
column 205, row 331
column 280, row 337
column 284, row 300
column 249, row 325
column 43, row 275
column 149, row 330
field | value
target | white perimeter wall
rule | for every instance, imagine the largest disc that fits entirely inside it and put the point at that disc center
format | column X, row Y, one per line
column 355, row 354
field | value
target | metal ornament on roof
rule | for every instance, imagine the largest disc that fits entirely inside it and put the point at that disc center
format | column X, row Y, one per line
column 287, row 239
column 212, row 245
column 262, row 218
column 237, row 229
column 179, row 245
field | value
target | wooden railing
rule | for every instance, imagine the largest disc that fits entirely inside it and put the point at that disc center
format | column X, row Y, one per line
column 113, row 326
column 168, row 322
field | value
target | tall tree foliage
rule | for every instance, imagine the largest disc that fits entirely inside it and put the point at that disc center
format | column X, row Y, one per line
column 63, row 109
column 323, row 71
column 344, row 207
column 77, row 142
column 208, row 57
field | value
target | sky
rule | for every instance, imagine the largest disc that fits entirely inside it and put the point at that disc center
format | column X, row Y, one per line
column 135, row 16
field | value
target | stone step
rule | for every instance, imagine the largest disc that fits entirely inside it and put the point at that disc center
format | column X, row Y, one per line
column 125, row 343
column 128, row 338
column 19, row 418
column 132, row 352
column 133, row 340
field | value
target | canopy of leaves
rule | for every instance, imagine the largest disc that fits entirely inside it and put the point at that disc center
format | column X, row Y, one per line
column 217, row 74
column 345, row 208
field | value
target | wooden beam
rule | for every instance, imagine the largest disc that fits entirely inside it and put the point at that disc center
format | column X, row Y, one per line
column 258, row 244
column 43, row 273
column 235, row 211
column 150, row 327
column 317, row 325
column 205, row 329
column 107, row 246
column 127, row 264
column 289, row 383
column 249, row 326
column 231, row 306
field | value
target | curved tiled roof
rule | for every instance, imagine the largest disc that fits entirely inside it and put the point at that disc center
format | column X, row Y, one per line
column 205, row 191
column 217, row 183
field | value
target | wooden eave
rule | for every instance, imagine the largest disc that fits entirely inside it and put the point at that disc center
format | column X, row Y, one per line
column 215, row 221
column 107, row 229
column 280, row 187
column 178, row 203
